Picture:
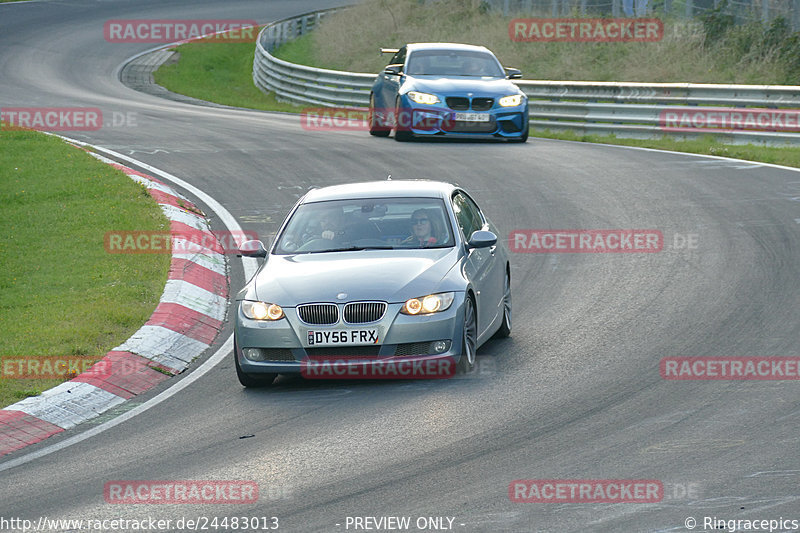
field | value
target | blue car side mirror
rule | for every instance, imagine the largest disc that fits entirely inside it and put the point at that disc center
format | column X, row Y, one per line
column 394, row 70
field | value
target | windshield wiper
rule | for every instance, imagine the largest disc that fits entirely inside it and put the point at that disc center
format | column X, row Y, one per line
column 359, row 248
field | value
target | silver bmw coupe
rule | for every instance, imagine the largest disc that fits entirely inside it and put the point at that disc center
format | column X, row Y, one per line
column 392, row 279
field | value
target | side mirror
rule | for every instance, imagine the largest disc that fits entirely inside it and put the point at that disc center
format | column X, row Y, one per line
column 482, row 239
column 394, row 70
column 513, row 73
column 252, row 249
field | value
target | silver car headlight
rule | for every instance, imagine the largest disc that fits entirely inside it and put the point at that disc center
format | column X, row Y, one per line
column 261, row 310
column 432, row 303
column 511, row 100
column 423, row 98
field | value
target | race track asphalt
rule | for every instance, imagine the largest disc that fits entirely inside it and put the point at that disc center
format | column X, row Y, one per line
column 575, row 393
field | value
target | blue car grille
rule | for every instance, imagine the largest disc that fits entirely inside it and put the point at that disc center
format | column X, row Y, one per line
column 482, row 104
column 364, row 312
column 318, row 314
column 461, row 103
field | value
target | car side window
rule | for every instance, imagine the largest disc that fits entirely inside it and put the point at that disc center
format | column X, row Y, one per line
column 467, row 214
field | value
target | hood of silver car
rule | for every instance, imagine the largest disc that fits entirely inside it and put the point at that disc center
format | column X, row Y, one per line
column 387, row 275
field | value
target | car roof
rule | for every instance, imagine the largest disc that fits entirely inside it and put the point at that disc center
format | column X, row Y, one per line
column 381, row 189
column 446, row 46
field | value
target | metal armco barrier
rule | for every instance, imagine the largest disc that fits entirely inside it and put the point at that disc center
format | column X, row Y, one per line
column 738, row 113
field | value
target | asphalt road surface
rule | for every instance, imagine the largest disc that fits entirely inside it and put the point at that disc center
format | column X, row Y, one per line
column 575, row 393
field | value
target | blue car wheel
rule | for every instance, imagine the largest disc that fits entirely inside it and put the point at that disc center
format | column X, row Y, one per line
column 400, row 134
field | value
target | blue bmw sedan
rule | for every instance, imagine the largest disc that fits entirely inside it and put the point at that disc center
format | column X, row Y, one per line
column 447, row 90
column 389, row 279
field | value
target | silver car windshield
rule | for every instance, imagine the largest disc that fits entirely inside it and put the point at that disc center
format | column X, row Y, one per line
column 363, row 224
column 453, row 63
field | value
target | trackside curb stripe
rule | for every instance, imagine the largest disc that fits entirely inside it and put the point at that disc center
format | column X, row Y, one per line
column 188, row 317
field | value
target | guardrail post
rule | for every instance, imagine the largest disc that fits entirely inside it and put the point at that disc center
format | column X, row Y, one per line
column 765, row 11
column 689, row 9
column 304, row 26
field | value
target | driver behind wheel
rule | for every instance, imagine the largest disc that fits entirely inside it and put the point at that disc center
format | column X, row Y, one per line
column 330, row 225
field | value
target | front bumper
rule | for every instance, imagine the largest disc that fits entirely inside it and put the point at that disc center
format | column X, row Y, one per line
column 439, row 120
column 285, row 348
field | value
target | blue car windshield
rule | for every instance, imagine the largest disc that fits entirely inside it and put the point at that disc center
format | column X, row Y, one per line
column 453, row 63
column 364, row 224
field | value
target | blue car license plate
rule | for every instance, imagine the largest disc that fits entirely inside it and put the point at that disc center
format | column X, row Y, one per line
column 472, row 117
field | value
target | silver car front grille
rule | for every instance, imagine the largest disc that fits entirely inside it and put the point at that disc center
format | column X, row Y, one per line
column 364, row 312
column 318, row 314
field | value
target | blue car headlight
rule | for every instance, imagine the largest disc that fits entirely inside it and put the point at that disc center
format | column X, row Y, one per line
column 261, row 310
column 423, row 98
column 432, row 303
column 510, row 100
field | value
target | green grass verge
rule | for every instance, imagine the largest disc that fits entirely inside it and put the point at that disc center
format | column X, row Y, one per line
column 301, row 51
column 61, row 293
column 707, row 145
column 218, row 72
column 707, row 49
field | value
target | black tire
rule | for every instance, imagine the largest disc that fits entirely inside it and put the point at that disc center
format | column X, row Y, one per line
column 375, row 129
column 251, row 380
column 524, row 137
column 400, row 135
column 469, row 340
column 505, row 325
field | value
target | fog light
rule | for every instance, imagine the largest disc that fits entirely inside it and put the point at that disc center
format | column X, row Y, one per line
column 253, row 354
column 440, row 346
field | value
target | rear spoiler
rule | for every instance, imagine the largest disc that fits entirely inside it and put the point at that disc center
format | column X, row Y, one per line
column 389, row 50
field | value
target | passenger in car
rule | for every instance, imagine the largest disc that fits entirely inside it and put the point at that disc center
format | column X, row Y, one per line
column 422, row 229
